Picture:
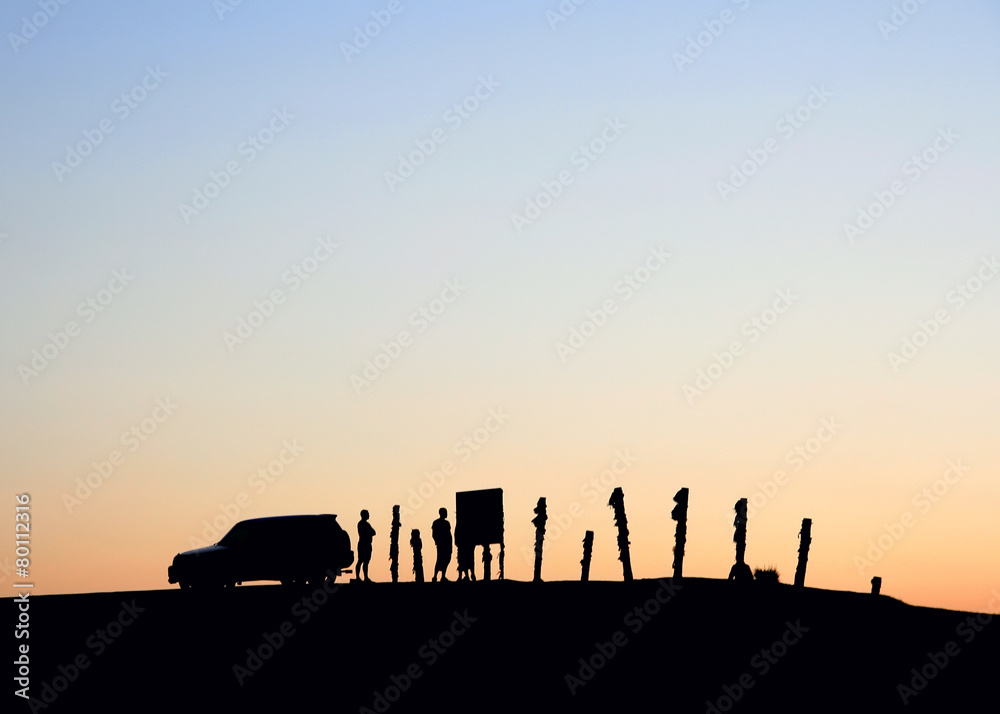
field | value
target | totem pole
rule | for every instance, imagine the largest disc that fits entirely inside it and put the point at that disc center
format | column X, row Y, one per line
column 617, row 503
column 588, row 548
column 487, row 559
column 805, row 538
column 679, row 514
column 740, row 572
column 418, row 559
column 394, row 545
column 539, row 521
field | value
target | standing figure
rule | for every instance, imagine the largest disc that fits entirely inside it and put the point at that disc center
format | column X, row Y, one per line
column 365, row 535
column 441, row 532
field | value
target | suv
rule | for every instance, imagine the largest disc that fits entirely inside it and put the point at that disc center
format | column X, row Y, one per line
column 292, row 549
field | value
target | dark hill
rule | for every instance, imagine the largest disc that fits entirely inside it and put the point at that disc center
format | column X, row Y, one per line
column 507, row 646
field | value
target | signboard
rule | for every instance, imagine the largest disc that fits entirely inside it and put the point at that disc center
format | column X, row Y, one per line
column 479, row 515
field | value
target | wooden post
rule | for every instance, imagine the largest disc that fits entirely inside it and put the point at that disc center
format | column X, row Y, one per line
column 805, row 538
column 617, row 503
column 588, row 548
column 679, row 514
column 539, row 520
column 394, row 545
column 876, row 585
column 740, row 572
column 418, row 560
column 487, row 559
column 740, row 534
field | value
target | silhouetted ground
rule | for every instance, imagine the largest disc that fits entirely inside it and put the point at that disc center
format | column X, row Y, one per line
column 507, row 646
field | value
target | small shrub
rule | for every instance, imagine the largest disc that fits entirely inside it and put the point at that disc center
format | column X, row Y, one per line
column 767, row 575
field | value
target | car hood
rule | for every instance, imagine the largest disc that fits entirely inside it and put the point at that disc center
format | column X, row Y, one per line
column 202, row 551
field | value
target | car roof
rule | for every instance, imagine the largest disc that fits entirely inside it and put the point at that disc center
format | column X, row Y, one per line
column 268, row 519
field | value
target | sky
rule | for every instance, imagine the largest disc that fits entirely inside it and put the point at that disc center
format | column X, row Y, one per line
column 264, row 259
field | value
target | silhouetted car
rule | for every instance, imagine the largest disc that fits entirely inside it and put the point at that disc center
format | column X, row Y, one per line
column 292, row 549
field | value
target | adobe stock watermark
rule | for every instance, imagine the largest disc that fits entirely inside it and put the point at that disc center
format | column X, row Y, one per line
column 47, row 9
column 454, row 117
column 968, row 630
column 723, row 361
column 581, row 159
column 97, row 644
column 960, row 296
column 635, row 620
column 913, row 168
column 796, row 457
column 295, row 276
column 762, row 663
column 562, row 12
column 122, row 108
column 429, row 653
column 899, row 16
column 251, row 147
column 923, row 500
column 224, row 7
column 697, row 44
column 421, row 319
column 60, row 340
column 364, row 34
column 464, row 448
column 259, row 481
column 629, row 284
column 302, row 610
column 596, row 488
column 131, row 439
column 790, row 123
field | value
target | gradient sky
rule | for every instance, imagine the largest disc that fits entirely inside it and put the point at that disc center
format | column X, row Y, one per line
column 214, row 78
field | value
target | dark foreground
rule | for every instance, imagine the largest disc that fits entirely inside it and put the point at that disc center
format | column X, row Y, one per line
column 705, row 646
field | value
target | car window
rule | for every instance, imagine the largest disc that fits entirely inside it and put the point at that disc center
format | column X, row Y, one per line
column 243, row 535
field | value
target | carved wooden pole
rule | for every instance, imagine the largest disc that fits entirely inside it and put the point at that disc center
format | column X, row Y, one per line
column 418, row 559
column 617, row 503
column 588, row 548
column 805, row 538
column 539, row 520
column 394, row 545
column 740, row 536
column 679, row 514
column 502, row 548
column 487, row 559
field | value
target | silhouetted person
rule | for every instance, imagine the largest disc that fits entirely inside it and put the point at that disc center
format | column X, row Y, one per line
column 365, row 535
column 441, row 532
column 466, row 557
